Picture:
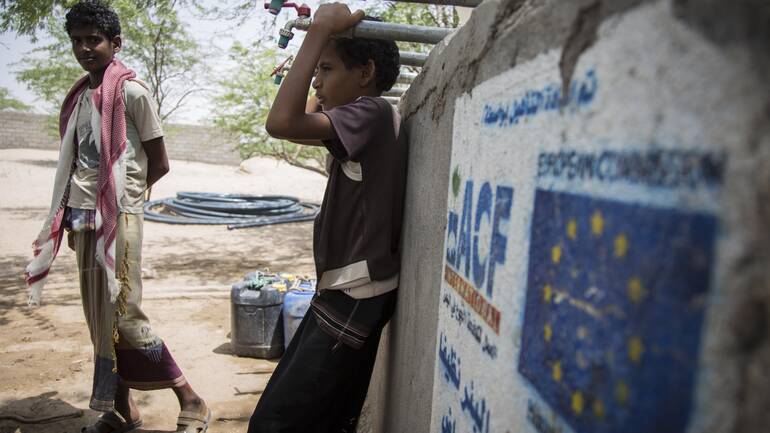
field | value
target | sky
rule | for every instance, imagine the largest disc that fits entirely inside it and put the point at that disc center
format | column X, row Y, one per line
column 218, row 35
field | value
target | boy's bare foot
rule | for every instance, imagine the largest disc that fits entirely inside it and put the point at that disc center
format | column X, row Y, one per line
column 196, row 405
column 190, row 402
column 194, row 417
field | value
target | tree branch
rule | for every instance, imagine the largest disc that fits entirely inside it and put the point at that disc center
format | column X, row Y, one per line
column 179, row 102
column 312, row 168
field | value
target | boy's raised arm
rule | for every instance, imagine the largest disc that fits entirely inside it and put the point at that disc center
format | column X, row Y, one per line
column 288, row 118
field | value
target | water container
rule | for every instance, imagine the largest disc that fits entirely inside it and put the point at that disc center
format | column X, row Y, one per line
column 304, row 284
column 255, row 322
column 295, row 305
column 287, row 278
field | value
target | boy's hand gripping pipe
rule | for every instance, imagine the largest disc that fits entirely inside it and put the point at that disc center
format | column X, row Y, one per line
column 275, row 5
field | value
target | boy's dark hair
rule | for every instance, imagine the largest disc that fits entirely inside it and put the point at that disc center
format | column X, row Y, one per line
column 358, row 51
column 93, row 13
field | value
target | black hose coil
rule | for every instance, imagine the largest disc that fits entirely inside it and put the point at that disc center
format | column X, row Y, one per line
column 235, row 210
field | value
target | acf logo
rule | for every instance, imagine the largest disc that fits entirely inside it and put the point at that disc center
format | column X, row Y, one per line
column 477, row 235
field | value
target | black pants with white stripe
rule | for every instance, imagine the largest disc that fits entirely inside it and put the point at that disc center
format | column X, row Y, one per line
column 320, row 384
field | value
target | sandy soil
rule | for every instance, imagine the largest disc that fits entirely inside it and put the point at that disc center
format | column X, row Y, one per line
column 45, row 353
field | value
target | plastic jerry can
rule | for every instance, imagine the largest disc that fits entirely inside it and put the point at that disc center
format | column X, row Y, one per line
column 295, row 305
column 255, row 322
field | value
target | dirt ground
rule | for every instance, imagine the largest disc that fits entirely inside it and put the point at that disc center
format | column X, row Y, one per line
column 45, row 354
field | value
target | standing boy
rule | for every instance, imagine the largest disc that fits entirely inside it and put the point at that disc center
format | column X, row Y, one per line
column 321, row 382
column 111, row 151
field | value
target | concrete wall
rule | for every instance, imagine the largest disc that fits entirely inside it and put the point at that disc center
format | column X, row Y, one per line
column 183, row 142
column 202, row 144
column 27, row 130
column 663, row 142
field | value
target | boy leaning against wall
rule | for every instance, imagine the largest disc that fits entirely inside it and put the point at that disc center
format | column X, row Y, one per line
column 111, row 151
column 321, row 381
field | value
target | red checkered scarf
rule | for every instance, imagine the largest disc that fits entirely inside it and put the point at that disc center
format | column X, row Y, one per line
column 108, row 101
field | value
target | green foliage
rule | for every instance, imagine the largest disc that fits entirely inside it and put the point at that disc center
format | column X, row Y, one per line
column 8, row 102
column 243, row 107
column 157, row 40
column 28, row 17
column 155, row 43
column 49, row 71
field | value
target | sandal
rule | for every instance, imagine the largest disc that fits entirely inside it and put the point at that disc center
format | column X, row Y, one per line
column 113, row 421
column 193, row 422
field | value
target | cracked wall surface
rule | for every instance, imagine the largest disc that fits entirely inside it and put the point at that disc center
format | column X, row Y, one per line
column 670, row 78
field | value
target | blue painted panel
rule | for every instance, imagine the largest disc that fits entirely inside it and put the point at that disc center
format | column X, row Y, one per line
column 614, row 308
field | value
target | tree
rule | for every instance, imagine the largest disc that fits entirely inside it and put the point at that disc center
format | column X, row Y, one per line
column 243, row 107
column 28, row 17
column 50, row 70
column 156, row 44
column 168, row 54
column 8, row 102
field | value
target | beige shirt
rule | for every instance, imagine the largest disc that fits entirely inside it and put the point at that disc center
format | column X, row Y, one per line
column 142, row 125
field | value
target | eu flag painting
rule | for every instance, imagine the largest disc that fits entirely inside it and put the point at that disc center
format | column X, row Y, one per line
column 615, row 300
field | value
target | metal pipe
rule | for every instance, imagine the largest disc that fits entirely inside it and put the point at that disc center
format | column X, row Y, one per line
column 395, row 91
column 463, row 3
column 372, row 30
column 396, row 32
column 409, row 58
column 392, row 100
column 406, row 78
column 377, row 30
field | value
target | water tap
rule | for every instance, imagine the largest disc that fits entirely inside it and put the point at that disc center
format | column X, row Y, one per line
column 302, row 22
column 274, row 6
column 280, row 71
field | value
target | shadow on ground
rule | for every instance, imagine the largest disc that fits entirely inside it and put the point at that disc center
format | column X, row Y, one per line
column 45, row 163
column 206, row 270
column 13, row 293
column 278, row 247
column 26, row 213
column 224, row 349
column 46, row 414
column 12, row 286
column 43, row 413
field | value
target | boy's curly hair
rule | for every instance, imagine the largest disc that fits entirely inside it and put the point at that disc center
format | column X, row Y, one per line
column 358, row 51
column 93, row 13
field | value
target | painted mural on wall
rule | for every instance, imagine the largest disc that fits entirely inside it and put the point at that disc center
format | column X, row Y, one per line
column 580, row 246
column 613, row 311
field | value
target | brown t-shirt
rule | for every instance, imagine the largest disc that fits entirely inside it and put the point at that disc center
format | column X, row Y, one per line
column 356, row 234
